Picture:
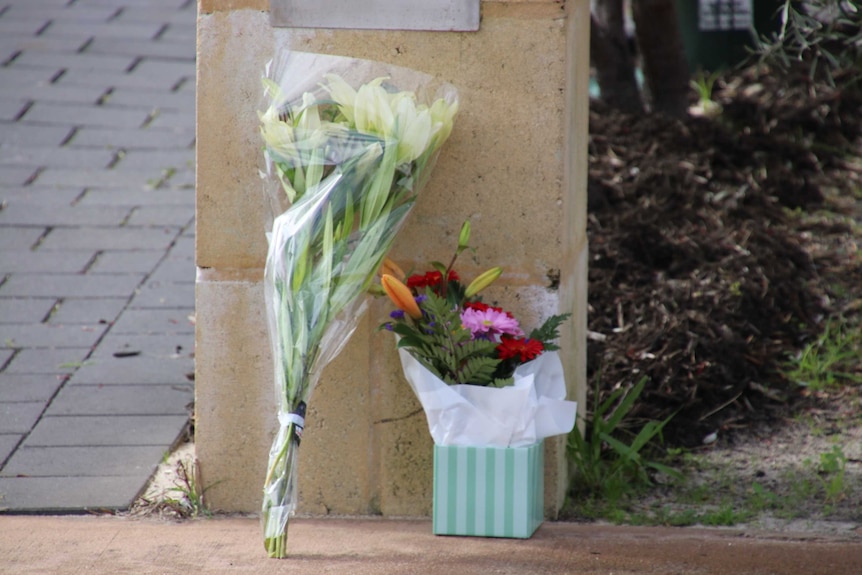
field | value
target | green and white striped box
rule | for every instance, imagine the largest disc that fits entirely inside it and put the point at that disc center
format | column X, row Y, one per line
column 488, row 491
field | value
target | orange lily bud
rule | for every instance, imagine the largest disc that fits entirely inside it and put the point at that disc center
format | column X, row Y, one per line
column 400, row 295
column 391, row 268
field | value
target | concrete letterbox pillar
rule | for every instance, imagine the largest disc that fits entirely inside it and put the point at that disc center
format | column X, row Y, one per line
column 516, row 166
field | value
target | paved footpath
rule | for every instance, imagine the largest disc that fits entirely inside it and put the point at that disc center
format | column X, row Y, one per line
column 97, row 113
column 110, row 545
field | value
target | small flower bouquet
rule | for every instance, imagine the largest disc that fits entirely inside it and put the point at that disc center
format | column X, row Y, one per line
column 348, row 145
column 491, row 394
column 480, row 378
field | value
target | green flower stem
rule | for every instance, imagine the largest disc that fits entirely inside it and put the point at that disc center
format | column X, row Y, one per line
column 276, row 547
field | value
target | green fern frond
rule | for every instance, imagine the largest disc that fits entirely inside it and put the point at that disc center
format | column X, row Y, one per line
column 478, row 370
column 467, row 349
column 431, row 367
column 549, row 331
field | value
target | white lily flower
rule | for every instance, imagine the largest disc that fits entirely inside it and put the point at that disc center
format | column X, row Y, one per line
column 308, row 117
column 442, row 117
column 412, row 127
column 342, row 94
column 278, row 136
column 373, row 113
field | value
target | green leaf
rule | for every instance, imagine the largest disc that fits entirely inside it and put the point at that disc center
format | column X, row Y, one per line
column 600, row 410
column 666, row 469
column 626, row 404
column 403, row 329
column 325, row 264
column 627, row 452
column 378, row 191
column 409, row 341
column 314, row 172
column 299, row 269
column 347, row 222
column 549, row 331
column 478, row 370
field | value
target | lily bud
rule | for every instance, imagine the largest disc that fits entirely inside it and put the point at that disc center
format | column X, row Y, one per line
column 483, row 281
column 443, row 115
column 400, row 295
column 464, row 236
column 389, row 267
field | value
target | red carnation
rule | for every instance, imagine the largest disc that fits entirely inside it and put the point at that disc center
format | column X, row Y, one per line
column 524, row 348
column 429, row 279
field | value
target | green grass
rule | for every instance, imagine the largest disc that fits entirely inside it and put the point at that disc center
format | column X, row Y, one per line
column 725, row 498
column 610, row 463
column 190, row 499
column 831, row 360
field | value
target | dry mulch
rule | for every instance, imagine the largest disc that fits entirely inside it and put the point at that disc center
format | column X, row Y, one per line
column 709, row 262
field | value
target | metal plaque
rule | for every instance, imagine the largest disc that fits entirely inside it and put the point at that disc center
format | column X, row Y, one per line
column 437, row 15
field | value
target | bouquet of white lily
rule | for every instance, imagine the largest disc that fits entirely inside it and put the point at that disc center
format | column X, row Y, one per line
column 348, row 153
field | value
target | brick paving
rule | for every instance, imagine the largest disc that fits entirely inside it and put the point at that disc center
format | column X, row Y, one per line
column 97, row 130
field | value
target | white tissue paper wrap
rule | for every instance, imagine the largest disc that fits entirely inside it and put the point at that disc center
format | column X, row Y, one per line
column 533, row 408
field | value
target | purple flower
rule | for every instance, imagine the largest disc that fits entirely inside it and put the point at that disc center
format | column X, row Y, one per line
column 397, row 314
column 486, row 324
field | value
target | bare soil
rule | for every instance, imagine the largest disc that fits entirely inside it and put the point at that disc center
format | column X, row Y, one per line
column 770, row 480
column 720, row 248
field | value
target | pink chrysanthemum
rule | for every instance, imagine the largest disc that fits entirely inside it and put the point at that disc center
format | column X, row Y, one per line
column 489, row 323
